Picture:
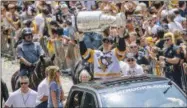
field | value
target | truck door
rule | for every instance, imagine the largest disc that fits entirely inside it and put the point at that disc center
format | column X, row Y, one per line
column 75, row 99
column 89, row 101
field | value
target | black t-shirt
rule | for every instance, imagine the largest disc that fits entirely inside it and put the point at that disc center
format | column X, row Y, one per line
column 160, row 44
column 172, row 52
column 182, row 13
column 141, row 57
column 179, row 41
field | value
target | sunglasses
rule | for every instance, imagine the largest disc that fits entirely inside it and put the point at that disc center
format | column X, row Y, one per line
column 107, row 41
column 131, row 59
column 167, row 39
column 114, row 27
column 58, row 71
column 133, row 47
column 23, row 83
column 28, row 35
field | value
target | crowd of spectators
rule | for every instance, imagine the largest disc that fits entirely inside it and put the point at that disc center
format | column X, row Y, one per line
column 155, row 32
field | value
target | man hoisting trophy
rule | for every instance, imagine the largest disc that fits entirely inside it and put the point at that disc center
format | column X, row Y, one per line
column 106, row 61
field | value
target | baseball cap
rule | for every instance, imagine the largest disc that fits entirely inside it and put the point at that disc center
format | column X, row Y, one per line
column 130, row 55
column 63, row 5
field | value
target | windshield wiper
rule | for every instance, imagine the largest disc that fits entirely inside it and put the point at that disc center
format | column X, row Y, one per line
column 169, row 83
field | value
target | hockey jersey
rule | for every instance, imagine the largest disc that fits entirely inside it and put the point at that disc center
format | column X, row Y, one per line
column 106, row 65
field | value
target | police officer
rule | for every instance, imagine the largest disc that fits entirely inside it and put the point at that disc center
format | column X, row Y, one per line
column 28, row 53
column 172, row 59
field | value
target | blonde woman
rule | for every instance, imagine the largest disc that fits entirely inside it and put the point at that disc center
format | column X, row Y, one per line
column 56, row 94
column 178, row 37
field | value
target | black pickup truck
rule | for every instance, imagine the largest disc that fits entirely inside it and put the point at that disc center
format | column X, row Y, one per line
column 142, row 91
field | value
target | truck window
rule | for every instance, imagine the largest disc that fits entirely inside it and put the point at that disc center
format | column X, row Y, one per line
column 75, row 100
column 89, row 101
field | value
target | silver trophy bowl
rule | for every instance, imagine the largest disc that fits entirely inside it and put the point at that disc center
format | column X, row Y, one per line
column 97, row 21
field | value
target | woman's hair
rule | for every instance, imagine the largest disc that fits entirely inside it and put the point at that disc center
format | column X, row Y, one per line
column 106, row 31
column 52, row 70
column 151, row 10
column 47, row 71
column 181, row 4
column 178, row 37
column 157, row 4
column 5, row 4
column 170, row 35
column 177, row 34
column 171, row 16
column 160, row 32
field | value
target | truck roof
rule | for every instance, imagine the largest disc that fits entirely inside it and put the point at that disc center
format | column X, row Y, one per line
column 103, row 85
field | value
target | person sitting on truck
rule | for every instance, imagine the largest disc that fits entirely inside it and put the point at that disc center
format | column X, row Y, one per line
column 106, row 62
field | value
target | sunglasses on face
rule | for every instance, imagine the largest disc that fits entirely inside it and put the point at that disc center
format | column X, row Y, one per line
column 23, row 83
column 133, row 47
column 107, row 41
column 129, row 60
column 58, row 71
column 29, row 35
column 114, row 28
column 167, row 39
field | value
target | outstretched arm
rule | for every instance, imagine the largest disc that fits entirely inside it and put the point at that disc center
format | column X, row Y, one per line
column 83, row 48
column 84, row 51
column 121, row 47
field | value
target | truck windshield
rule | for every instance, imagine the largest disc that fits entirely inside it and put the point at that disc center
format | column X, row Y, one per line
column 157, row 95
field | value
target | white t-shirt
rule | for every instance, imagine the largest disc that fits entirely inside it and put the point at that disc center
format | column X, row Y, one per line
column 124, row 67
column 39, row 19
column 40, row 22
column 18, row 99
column 136, row 71
column 154, row 29
column 174, row 26
column 43, row 90
column 179, row 19
column 88, row 4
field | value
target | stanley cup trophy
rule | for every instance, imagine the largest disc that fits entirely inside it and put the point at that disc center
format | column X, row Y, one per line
column 97, row 21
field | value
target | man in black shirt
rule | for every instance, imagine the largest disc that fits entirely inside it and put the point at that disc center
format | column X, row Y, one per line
column 172, row 60
column 182, row 8
column 160, row 36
